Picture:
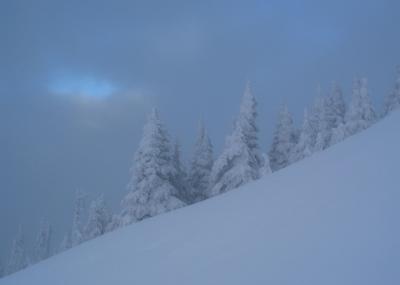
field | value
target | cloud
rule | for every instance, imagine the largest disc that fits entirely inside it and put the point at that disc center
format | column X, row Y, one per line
column 76, row 82
column 179, row 42
column 56, row 144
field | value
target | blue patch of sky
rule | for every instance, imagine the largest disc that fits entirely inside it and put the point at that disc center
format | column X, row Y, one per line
column 82, row 86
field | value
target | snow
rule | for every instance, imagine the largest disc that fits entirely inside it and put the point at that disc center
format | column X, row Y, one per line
column 330, row 219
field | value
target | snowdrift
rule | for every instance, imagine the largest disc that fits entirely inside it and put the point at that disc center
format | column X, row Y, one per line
column 330, row 219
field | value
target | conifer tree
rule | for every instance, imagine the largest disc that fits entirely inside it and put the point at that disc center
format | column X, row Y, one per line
column 338, row 134
column 315, row 117
column 283, row 142
column 18, row 258
column 99, row 218
column 77, row 234
column 66, row 242
column 361, row 114
column 335, row 107
column 331, row 116
column 43, row 240
column 392, row 101
column 304, row 146
column 266, row 167
column 115, row 223
column 179, row 179
column 201, row 166
column 151, row 191
column 240, row 161
column 324, row 131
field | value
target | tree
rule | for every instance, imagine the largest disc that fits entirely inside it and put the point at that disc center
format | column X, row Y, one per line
column 338, row 134
column 179, row 179
column 240, row 161
column 283, row 142
column 392, row 101
column 361, row 114
column 43, row 240
column 305, row 145
column 335, row 107
column 1, row 270
column 315, row 116
column 331, row 116
column 99, row 218
column 114, row 223
column 66, row 242
column 201, row 166
column 151, row 191
column 18, row 259
column 265, row 168
column 323, row 128
column 77, row 235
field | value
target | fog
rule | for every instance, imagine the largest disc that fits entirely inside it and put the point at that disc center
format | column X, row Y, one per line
column 77, row 79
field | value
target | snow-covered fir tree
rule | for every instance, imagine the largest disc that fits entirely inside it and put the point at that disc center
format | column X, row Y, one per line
column 115, row 223
column 43, row 241
column 266, row 167
column 241, row 160
column 1, row 270
column 151, row 191
column 201, row 165
column 323, row 129
column 77, row 234
column 18, row 259
column 335, row 107
column 179, row 180
column 283, row 141
column 361, row 114
column 338, row 134
column 99, row 218
column 315, row 116
column 305, row 144
column 392, row 101
column 331, row 116
column 66, row 242
column 336, row 114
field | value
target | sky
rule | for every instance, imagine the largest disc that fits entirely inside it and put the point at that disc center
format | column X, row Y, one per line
column 78, row 78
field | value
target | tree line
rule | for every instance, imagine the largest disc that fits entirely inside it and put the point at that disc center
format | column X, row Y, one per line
column 160, row 182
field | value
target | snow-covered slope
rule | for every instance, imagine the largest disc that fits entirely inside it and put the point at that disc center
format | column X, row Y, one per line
column 330, row 219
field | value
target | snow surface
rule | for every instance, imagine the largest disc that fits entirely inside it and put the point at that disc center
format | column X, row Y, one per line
column 329, row 219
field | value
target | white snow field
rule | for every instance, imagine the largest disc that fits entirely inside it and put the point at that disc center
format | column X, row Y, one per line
column 332, row 219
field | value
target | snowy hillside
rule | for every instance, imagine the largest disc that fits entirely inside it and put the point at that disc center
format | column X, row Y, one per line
column 330, row 219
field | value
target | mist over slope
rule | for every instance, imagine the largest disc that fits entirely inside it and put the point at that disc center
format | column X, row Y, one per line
column 329, row 219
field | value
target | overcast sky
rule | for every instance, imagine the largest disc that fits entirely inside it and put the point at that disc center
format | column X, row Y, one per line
column 77, row 79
